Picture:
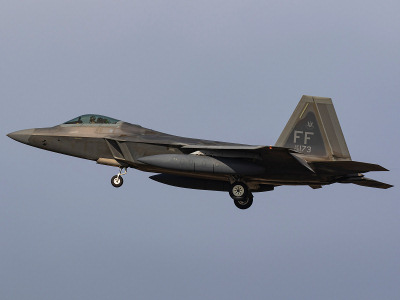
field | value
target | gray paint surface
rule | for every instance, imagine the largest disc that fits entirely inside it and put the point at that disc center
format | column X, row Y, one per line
column 218, row 70
column 311, row 150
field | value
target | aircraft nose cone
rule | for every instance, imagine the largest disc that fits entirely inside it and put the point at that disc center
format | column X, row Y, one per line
column 21, row 136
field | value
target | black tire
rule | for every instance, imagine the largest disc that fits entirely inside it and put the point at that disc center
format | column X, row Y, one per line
column 244, row 204
column 117, row 181
column 239, row 191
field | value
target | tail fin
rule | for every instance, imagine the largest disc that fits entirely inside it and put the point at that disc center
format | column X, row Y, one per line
column 314, row 130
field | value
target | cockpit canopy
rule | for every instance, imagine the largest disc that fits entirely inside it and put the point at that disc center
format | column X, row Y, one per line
column 92, row 119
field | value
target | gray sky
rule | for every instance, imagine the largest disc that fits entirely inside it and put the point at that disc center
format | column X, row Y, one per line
column 223, row 70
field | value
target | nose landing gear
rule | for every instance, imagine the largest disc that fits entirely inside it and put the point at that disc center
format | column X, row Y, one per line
column 117, row 180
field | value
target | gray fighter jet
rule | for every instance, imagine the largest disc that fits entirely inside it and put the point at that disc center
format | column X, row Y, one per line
column 310, row 151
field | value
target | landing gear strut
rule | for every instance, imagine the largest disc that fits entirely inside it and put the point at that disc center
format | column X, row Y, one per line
column 241, row 195
column 117, row 180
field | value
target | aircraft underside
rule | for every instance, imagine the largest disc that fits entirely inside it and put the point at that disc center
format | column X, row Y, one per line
column 240, row 188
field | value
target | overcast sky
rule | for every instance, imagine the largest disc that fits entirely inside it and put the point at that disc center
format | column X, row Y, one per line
column 222, row 70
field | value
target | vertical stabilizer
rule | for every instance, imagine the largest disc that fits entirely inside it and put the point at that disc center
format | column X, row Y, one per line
column 314, row 130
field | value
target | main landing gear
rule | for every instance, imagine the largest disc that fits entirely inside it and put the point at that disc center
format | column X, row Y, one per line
column 241, row 195
column 117, row 180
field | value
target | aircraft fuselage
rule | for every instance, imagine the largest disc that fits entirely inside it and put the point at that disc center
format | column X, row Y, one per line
column 310, row 151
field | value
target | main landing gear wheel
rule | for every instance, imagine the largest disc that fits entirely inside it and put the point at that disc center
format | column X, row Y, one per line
column 117, row 180
column 241, row 195
column 239, row 191
column 244, row 204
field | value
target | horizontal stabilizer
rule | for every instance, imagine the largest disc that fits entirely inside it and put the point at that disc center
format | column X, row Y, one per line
column 345, row 167
column 372, row 183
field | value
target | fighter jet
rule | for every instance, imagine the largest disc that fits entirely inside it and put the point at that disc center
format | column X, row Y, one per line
column 311, row 151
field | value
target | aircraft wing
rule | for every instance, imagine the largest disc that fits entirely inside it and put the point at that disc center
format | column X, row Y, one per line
column 267, row 155
column 228, row 147
column 237, row 149
column 373, row 183
column 272, row 155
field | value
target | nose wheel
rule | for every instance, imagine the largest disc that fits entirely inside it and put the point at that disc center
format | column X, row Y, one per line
column 117, row 180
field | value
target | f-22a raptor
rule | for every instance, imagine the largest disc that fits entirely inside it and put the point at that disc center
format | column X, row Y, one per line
column 310, row 151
